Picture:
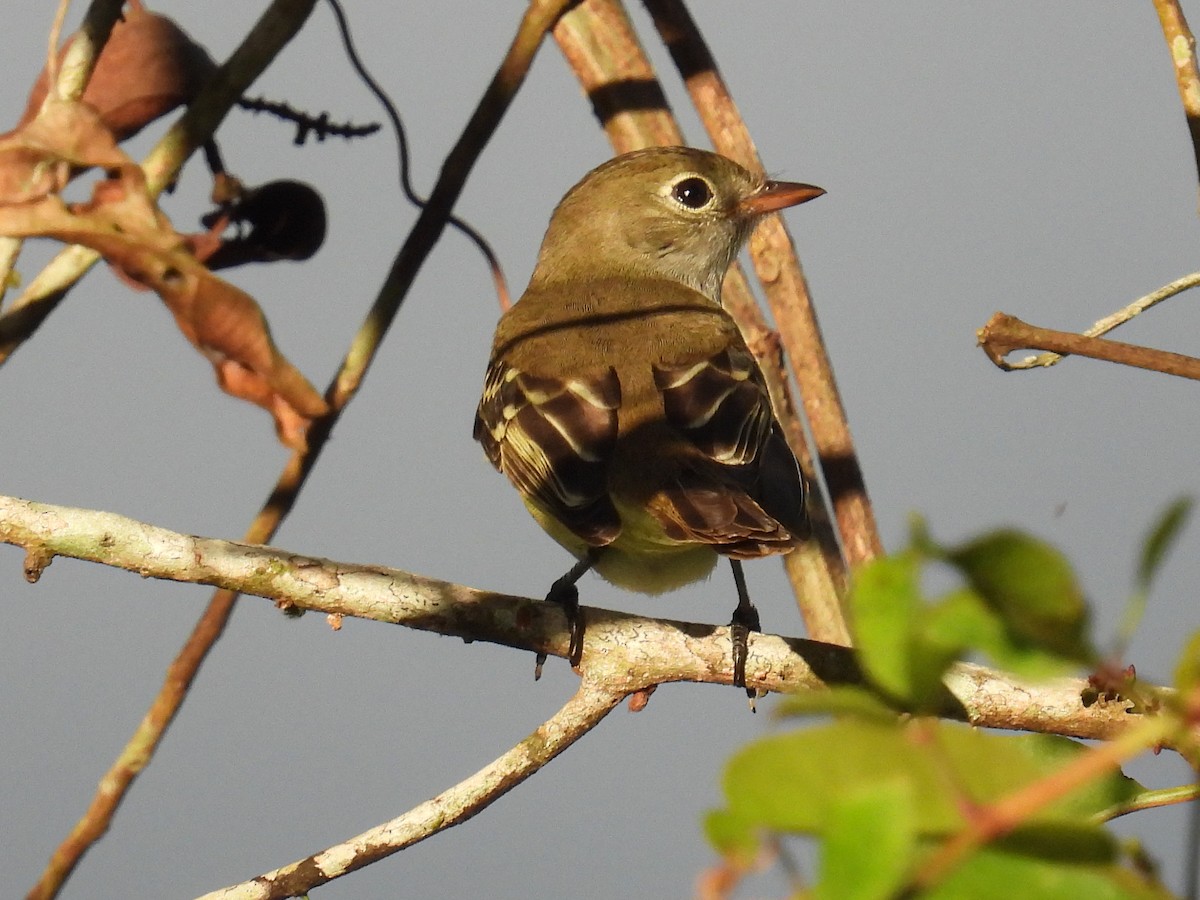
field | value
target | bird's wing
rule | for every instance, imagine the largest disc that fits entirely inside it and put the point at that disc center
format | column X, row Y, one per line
column 553, row 438
column 743, row 492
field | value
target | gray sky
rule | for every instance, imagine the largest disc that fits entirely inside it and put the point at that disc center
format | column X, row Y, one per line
column 1030, row 157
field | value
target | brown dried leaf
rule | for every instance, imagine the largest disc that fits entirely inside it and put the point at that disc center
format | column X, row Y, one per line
column 39, row 158
column 123, row 224
column 148, row 67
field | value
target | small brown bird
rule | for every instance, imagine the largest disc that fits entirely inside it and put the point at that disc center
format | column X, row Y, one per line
column 620, row 398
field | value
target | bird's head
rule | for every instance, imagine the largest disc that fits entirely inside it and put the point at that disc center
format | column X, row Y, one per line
column 665, row 212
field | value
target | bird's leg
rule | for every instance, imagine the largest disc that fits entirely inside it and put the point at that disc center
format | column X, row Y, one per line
column 745, row 619
column 566, row 594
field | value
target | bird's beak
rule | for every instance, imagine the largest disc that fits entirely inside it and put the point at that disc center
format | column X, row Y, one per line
column 776, row 195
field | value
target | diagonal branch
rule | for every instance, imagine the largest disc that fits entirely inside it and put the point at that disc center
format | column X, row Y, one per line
column 273, row 30
column 583, row 712
column 189, row 132
column 1182, row 45
column 778, row 267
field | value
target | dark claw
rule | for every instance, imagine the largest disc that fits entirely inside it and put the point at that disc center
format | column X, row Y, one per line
column 566, row 594
column 745, row 619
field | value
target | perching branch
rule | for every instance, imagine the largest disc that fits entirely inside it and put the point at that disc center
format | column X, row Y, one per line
column 624, row 652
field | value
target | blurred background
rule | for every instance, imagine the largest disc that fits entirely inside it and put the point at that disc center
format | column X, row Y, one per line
column 1030, row 157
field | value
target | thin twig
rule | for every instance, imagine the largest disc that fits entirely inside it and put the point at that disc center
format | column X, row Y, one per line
column 1152, row 799
column 1108, row 323
column 600, row 45
column 80, row 59
column 540, row 16
column 778, row 268
column 583, row 712
column 1004, row 333
column 52, row 41
column 1182, row 45
column 389, row 108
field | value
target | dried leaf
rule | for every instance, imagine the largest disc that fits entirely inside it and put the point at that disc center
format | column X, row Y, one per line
column 124, row 225
column 38, row 159
column 148, row 67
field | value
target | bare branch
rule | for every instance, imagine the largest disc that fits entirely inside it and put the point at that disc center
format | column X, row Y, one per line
column 1004, row 333
column 1110, row 322
column 626, row 653
column 1182, row 45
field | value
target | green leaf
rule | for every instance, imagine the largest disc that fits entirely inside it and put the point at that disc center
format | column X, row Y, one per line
column 870, row 844
column 1064, row 842
column 990, row 766
column 1187, row 670
column 995, row 873
column 1157, row 544
column 963, row 619
column 884, row 602
column 1162, row 536
column 1031, row 586
column 840, row 700
column 793, row 782
column 731, row 835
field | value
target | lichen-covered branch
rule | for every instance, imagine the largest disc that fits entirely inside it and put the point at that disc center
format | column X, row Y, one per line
column 625, row 653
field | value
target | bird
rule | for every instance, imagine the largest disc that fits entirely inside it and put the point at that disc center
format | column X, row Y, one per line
column 620, row 398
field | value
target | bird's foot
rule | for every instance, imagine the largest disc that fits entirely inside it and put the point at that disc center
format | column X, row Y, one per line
column 566, row 594
column 745, row 620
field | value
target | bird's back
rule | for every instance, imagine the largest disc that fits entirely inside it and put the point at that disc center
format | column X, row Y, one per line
column 666, row 411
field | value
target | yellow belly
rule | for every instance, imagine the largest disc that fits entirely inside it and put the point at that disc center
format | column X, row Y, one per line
column 642, row 558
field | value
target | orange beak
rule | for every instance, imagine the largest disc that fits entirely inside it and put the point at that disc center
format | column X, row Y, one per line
column 776, row 195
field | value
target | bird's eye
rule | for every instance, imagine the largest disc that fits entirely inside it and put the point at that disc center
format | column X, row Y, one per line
column 693, row 192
